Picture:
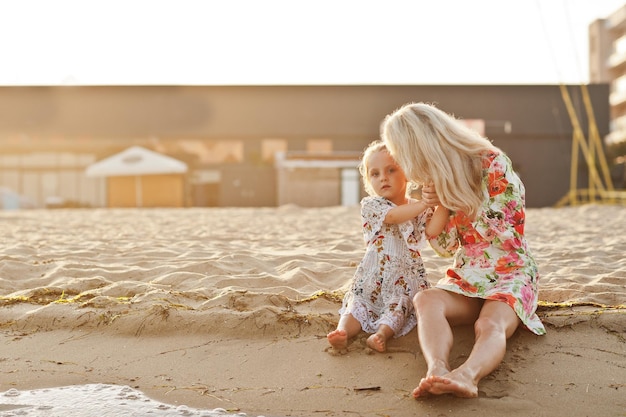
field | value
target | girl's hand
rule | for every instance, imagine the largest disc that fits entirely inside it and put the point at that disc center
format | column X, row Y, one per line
column 429, row 195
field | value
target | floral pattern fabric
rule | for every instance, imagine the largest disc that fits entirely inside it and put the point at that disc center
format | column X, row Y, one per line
column 391, row 271
column 491, row 256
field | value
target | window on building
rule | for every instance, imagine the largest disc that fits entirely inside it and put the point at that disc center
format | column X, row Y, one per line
column 319, row 145
column 215, row 151
column 619, row 45
column 269, row 147
column 619, row 85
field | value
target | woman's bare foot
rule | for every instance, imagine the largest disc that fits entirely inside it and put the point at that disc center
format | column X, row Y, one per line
column 338, row 339
column 425, row 385
column 423, row 389
column 455, row 383
column 377, row 342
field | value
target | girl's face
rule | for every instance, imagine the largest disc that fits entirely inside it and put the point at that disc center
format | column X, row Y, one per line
column 386, row 177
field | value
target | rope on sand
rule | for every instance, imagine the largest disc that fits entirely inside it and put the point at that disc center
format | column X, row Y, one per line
column 549, row 305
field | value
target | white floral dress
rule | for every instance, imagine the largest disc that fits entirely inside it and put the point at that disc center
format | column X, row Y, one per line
column 491, row 256
column 391, row 271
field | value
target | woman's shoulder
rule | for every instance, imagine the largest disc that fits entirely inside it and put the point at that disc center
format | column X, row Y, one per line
column 495, row 157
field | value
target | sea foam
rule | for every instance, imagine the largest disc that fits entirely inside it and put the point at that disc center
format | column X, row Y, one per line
column 94, row 400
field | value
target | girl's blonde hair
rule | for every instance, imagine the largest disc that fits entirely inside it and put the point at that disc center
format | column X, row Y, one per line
column 372, row 148
column 432, row 146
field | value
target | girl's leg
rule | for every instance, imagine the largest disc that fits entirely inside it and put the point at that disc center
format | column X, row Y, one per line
column 347, row 328
column 496, row 323
column 437, row 310
column 378, row 340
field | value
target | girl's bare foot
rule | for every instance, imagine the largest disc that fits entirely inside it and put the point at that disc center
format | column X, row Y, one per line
column 338, row 339
column 377, row 342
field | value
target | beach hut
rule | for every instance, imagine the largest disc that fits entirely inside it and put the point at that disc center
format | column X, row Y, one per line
column 138, row 177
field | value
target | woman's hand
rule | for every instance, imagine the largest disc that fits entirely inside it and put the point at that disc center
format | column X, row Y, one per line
column 429, row 195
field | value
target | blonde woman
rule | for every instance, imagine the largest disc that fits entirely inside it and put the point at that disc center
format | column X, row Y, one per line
column 492, row 283
column 391, row 272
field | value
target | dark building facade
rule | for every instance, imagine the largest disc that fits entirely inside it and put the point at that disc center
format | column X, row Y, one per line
column 229, row 136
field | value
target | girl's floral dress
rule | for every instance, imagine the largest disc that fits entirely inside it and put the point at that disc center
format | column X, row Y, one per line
column 391, row 271
column 491, row 257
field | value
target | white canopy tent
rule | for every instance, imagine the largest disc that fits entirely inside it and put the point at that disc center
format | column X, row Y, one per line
column 136, row 161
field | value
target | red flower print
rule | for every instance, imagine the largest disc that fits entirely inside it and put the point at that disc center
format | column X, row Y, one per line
column 518, row 221
column 528, row 299
column 488, row 160
column 497, row 183
column 512, row 244
column 460, row 219
column 508, row 263
column 476, row 250
column 507, row 298
column 469, row 239
column 464, row 285
column 452, row 274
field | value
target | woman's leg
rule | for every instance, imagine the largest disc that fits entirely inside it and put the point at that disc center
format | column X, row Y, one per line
column 496, row 323
column 347, row 328
column 437, row 310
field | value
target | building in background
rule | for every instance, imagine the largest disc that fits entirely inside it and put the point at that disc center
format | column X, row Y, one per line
column 607, row 64
column 249, row 146
column 138, row 177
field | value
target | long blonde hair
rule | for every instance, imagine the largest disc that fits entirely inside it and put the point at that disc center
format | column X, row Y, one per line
column 432, row 146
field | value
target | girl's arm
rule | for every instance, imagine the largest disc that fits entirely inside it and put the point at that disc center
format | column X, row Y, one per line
column 405, row 212
column 437, row 222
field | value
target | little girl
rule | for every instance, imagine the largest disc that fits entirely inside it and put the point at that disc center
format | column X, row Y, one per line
column 380, row 300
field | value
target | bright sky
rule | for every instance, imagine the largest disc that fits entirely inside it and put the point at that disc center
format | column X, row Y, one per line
column 244, row 42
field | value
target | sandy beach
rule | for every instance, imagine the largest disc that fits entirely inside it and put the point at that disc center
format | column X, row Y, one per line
column 229, row 308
